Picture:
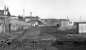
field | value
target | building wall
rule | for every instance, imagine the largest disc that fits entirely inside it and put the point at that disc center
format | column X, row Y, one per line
column 1, row 28
column 51, row 22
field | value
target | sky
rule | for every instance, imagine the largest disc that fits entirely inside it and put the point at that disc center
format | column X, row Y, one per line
column 74, row 9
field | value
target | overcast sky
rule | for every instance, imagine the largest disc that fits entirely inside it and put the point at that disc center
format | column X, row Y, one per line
column 48, row 8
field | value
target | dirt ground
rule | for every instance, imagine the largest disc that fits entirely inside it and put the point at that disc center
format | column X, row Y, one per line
column 46, row 33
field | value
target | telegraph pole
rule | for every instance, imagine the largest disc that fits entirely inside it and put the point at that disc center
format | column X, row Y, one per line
column 23, row 14
column 31, row 14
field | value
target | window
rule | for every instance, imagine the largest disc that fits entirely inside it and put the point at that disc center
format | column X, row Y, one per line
column 82, row 28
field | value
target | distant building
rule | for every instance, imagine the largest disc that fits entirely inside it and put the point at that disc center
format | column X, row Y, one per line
column 13, row 17
column 65, row 22
column 1, row 12
column 50, row 22
column 33, row 20
column 20, row 18
column 80, row 26
column 29, row 18
column 54, row 22
column 57, row 22
column 5, row 12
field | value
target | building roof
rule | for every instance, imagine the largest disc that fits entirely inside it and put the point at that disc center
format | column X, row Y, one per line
column 31, row 17
column 56, row 19
column 80, row 22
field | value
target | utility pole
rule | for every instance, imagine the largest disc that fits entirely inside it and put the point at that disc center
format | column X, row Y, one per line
column 4, row 24
column 67, row 17
column 80, row 18
column 5, row 10
column 31, row 14
column 23, row 13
